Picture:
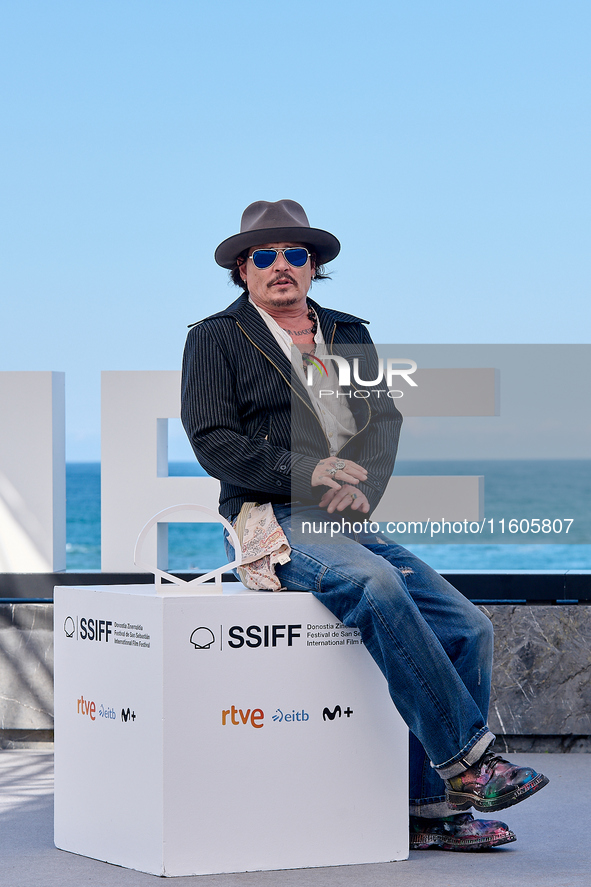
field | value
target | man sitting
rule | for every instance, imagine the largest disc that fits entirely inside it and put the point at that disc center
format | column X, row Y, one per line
column 256, row 424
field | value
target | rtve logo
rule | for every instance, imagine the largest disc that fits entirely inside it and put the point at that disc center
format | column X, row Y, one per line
column 238, row 716
column 267, row 636
column 86, row 708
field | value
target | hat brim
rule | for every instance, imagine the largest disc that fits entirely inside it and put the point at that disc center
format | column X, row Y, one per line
column 325, row 245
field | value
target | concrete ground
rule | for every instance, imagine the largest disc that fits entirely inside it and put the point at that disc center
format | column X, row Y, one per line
column 553, row 847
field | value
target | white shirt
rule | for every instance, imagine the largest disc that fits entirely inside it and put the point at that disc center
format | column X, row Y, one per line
column 333, row 412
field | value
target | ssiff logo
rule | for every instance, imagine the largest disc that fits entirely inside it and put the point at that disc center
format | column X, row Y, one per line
column 202, row 638
column 89, row 629
column 69, row 627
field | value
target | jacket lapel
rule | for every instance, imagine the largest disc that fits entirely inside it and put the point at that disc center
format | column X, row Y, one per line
column 254, row 327
column 250, row 324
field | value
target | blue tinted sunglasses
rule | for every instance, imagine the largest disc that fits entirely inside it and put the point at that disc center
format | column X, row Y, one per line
column 295, row 255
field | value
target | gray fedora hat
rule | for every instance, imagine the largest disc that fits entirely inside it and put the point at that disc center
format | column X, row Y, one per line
column 283, row 221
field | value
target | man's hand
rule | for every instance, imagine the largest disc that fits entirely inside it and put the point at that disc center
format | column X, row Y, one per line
column 329, row 471
column 345, row 497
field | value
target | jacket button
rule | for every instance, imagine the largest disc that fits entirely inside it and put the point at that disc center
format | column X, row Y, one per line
column 278, row 483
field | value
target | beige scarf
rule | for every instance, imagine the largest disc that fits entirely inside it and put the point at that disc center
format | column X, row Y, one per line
column 264, row 545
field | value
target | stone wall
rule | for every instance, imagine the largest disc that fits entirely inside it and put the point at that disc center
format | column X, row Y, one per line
column 26, row 674
column 542, row 676
column 541, row 697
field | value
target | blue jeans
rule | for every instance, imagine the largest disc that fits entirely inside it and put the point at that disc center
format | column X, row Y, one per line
column 433, row 646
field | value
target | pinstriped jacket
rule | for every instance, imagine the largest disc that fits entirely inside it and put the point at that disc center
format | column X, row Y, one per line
column 250, row 420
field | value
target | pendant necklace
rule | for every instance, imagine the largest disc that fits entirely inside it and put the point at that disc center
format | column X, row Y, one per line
column 312, row 329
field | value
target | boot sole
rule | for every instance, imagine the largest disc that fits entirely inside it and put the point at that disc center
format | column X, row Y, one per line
column 465, row 800
column 439, row 842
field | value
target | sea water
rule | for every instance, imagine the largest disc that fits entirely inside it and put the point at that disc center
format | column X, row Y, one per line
column 514, row 490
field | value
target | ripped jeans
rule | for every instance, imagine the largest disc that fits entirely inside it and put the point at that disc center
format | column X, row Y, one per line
column 433, row 646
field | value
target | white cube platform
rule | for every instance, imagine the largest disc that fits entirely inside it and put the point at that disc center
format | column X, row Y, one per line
column 209, row 733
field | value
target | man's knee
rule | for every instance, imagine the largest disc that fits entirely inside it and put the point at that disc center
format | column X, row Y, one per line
column 480, row 630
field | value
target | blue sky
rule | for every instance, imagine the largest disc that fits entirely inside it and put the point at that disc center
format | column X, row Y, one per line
column 446, row 144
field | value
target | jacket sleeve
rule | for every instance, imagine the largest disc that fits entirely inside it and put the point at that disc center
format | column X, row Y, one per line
column 211, row 418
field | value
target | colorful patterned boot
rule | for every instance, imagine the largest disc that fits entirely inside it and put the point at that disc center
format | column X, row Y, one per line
column 459, row 832
column 492, row 784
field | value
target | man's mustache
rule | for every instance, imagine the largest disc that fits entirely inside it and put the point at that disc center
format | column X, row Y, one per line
column 283, row 278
